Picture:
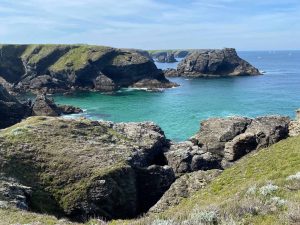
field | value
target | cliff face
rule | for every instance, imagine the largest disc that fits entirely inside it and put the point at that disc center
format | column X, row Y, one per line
column 11, row 110
column 52, row 68
column 223, row 62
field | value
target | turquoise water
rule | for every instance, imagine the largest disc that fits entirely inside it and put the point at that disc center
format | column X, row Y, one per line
column 179, row 110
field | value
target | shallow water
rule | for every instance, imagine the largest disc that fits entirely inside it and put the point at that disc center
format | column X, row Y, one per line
column 179, row 110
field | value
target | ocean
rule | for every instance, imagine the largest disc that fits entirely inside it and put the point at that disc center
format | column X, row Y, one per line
column 179, row 111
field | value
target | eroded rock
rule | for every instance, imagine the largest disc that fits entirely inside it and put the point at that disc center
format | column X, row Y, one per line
column 183, row 188
column 223, row 62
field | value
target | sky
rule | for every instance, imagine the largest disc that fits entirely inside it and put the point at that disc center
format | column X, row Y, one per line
column 154, row 24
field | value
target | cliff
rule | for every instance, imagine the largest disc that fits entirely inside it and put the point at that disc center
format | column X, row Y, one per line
column 53, row 68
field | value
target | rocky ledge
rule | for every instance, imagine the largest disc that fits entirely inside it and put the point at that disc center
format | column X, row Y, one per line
column 212, row 63
column 64, row 68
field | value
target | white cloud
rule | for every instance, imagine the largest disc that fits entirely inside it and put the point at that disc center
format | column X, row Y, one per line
column 152, row 23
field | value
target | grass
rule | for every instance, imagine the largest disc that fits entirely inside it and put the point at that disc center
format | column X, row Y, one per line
column 77, row 58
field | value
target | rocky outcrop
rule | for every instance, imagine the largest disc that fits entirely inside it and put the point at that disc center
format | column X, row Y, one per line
column 81, row 168
column 183, row 188
column 221, row 141
column 13, row 194
column 166, row 58
column 63, row 68
column 44, row 106
column 171, row 73
column 11, row 110
column 154, row 181
column 207, row 63
column 294, row 127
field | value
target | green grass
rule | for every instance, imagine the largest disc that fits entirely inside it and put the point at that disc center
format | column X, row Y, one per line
column 78, row 57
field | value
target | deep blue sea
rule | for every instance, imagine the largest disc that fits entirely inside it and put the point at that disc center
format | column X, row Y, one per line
column 179, row 110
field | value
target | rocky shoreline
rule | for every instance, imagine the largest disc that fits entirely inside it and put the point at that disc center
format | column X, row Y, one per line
column 78, row 168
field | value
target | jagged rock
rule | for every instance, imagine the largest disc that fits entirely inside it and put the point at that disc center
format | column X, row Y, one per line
column 166, row 58
column 154, row 181
column 105, row 84
column 44, row 106
column 269, row 129
column 183, row 188
column 171, row 73
column 223, row 62
column 222, row 141
column 13, row 194
column 240, row 146
column 294, row 126
column 11, row 110
column 82, row 168
column 64, row 68
column 215, row 132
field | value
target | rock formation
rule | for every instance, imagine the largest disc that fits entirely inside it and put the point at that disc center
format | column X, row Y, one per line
column 11, row 110
column 223, row 141
column 294, row 127
column 13, row 194
column 82, row 168
column 207, row 63
column 166, row 58
column 183, row 188
column 63, row 68
column 44, row 106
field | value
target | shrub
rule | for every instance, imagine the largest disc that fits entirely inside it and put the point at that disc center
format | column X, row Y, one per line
column 268, row 189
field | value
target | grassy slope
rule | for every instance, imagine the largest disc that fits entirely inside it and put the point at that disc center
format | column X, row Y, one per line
column 273, row 164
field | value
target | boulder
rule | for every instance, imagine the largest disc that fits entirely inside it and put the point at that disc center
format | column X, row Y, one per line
column 11, row 110
column 183, row 188
column 82, row 168
column 223, row 62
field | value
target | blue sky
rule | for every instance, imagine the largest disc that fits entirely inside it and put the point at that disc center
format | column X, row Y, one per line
column 154, row 24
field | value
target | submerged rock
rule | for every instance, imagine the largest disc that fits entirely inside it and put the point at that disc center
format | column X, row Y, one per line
column 223, row 62
column 81, row 168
